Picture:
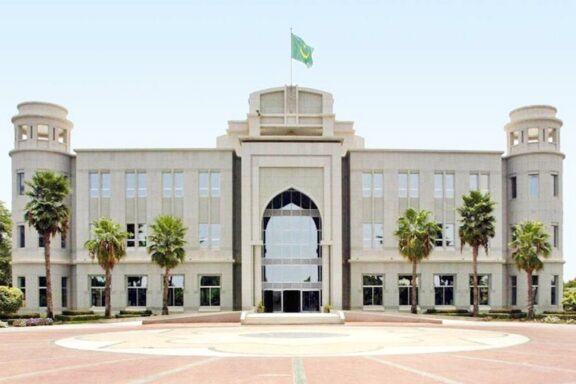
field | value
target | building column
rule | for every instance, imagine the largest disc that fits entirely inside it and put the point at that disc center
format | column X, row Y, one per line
column 257, row 251
column 326, row 274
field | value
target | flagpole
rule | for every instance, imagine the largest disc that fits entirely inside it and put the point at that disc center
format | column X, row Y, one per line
column 290, row 56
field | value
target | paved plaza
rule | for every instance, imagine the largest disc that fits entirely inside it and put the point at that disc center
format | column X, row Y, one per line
column 454, row 352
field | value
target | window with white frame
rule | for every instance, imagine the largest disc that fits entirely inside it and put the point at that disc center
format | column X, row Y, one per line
column 445, row 236
column 210, row 291
column 64, row 291
column 555, row 236
column 443, row 289
column 372, row 184
column 42, row 298
column 555, row 185
column 372, row 289
column 20, row 183
column 513, row 187
column 21, row 236
column 137, row 235
column 479, row 181
column 176, row 290
column 535, row 281
column 372, row 235
column 409, row 184
column 97, row 290
column 405, row 290
column 137, row 290
column 443, row 185
column 21, row 283
column 554, row 290
column 483, row 288
column 99, row 184
column 209, row 184
column 209, row 235
column 513, row 290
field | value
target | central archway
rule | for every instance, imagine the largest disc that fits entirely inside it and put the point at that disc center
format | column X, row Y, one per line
column 292, row 259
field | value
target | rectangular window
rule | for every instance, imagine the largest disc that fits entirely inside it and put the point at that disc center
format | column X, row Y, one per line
column 97, row 290
column 473, row 182
column 64, row 291
column 23, row 132
column 378, row 234
column 378, row 184
column 533, row 185
column 42, row 132
column 552, row 135
column 555, row 235
column 94, row 185
column 414, row 185
column 367, row 235
column 137, row 290
column 449, row 235
column 203, row 234
column 142, row 235
column 42, row 301
column 513, row 290
column 210, row 291
column 535, row 288
column 130, row 185
column 21, row 281
column 555, row 185
column 21, row 236
column 215, row 236
column 215, row 184
column 554, row 290
column 402, row 185
column 449, row 185
column 444, row 289
column 131, row 240
column 61, row 136
column 178, row 184
column 532, row 135
column 372, row 288
column 167, row 184
column 483, row 288
column 142, row 184
column 484, row 183
column 204, row 184
column 513, row 187
column 438, row 185
column 366, row 185
column 105, row 191
column 20, row 183
column 40, row 241
column 62, row 242
column 176, row 291
column 515, row 138
column 405, row 289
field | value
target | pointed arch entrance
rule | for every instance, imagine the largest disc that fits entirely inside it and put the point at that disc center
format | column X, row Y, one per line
column 292, row 259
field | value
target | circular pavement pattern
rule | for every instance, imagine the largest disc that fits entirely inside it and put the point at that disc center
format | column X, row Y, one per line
column 285, row 342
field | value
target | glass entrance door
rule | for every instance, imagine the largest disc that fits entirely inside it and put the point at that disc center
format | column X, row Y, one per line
column 292, row 300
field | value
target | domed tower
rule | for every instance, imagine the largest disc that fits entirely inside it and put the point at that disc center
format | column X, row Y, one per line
column 534, row 188
column 41, row 142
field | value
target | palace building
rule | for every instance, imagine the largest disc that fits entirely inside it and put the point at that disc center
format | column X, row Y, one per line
column 289, row 210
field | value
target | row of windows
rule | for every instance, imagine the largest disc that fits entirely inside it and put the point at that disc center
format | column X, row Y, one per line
column 444, row 285
column 172, row 184
column 409, row 184
column 548, row 135
column 136, row 290
column 26, row 132
column 534, row 185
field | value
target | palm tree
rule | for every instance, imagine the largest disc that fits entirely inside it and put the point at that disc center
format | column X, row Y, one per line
column 416, row 236
column 108, row 247
column 167, row 248
column 476, row 229
column 5, row 245
column 47, row 212
column 530, row 242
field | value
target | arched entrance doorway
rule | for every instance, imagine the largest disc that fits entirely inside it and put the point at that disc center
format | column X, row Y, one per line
column 292, row 260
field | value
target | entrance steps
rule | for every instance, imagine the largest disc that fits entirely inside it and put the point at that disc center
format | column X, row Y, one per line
column 314, row 318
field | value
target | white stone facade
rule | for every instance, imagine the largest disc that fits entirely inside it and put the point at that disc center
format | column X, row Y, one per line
column 290, row 210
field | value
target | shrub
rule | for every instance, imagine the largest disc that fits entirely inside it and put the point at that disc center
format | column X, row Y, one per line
column 39, row 321
column 3, row 324
column 569, row 299
column 260, row 307
column 13, row 316
column 76, row 312
column 327, row 308
column 19, row 323
column 10, row 299
column 65, row 318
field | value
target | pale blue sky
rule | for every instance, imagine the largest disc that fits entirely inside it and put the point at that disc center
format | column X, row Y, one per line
column 411, row 74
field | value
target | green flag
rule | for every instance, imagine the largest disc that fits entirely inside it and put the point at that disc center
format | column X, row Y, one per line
column 301, row 51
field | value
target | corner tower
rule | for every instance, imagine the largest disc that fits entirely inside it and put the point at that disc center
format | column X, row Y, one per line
column 534, row 190
column 41, row 142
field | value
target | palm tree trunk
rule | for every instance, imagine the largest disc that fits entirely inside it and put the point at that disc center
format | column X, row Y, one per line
column 108, row 293
column 49, row 303
column 475, row 291
column 530, row 295
column 165, row 293
column 413, row 308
